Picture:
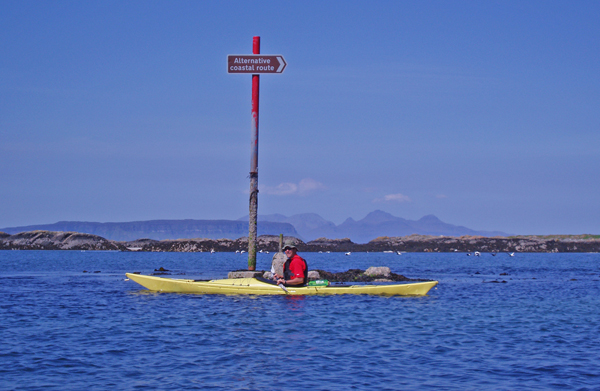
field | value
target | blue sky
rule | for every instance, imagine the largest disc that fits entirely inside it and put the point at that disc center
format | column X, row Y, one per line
column 485, row 114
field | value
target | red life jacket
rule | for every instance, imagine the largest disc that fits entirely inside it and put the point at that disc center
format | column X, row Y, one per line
column 287, row 272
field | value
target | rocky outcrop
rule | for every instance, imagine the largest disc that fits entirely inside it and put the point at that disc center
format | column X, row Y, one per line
column 48, row 240
column 268, row 243
column 412, row 243
column 378, row 271
column 324, row 244
column 372, row 274
column 357, row 275
column 422, row 243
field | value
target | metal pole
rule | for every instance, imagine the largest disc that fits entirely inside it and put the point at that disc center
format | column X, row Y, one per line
column 254, row 166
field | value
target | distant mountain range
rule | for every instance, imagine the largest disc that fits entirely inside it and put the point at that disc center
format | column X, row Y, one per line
column 306, row 226
column 162, row 229
column 311, row 226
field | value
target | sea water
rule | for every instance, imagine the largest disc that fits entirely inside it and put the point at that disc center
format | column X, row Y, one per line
column 70, row 321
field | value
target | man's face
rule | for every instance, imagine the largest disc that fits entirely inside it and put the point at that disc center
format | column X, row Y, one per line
column 290, row 252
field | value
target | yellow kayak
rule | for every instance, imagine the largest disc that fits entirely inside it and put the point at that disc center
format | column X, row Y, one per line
column 253, row 286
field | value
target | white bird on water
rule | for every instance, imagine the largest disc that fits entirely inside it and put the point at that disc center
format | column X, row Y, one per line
column 348, row 253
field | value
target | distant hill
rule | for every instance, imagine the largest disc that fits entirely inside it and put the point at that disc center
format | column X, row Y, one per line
column 305, row 226
column 311, row 226
column 308, row 225
column 379, row 223
column 163, row 229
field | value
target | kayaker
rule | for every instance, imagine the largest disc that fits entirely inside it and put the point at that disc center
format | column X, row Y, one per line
column 295, row 269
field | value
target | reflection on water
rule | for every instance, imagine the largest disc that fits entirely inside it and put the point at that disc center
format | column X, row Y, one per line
column 295, row 303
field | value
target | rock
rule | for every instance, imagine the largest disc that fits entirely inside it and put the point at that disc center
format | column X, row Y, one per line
column 277, row 263
column 245, row 274
column 324, row 244
column 378, row 271
column 357, row 275
column 48, row 240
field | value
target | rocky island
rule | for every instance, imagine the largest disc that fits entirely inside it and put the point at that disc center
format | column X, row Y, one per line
column 50, row 240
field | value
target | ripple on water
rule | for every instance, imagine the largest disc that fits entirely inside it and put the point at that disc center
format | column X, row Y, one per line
column 64, row 329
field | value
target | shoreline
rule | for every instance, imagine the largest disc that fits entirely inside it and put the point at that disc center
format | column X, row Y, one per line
column 49, row 240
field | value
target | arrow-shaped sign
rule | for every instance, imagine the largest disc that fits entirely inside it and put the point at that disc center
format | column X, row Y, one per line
column 255, row 63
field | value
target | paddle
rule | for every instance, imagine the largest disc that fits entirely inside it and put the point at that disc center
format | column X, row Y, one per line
column 283, row 287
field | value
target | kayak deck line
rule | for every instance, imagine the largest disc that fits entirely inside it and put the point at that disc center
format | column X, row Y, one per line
column 253, row 286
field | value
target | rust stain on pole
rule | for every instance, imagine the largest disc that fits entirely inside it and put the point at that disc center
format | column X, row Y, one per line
column 253, row 215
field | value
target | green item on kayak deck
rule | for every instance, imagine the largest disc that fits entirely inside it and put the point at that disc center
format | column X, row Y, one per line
column 318, row 283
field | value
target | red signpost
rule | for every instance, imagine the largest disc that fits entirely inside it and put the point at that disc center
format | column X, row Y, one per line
column 254, row 64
